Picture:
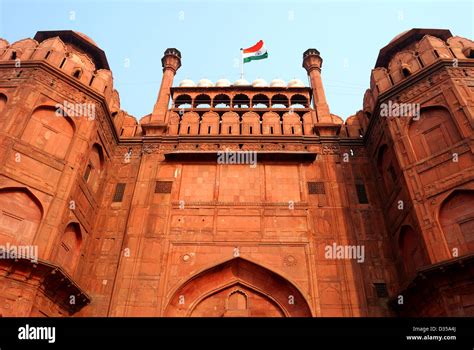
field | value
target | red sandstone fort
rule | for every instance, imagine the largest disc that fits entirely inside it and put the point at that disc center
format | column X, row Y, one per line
column 139, row 219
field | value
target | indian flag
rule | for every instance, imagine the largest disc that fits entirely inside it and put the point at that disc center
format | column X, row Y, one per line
column 256, row 52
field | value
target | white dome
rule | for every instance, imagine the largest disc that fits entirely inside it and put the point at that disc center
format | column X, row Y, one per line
column 259, row 83
column 205, row 83
column 187, row 83
column 241, row 82
column 295, row 83
column 222, row 83
column 277, row 83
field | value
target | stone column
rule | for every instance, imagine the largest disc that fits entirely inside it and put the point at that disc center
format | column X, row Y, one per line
column 157, row 123
column 312, row 62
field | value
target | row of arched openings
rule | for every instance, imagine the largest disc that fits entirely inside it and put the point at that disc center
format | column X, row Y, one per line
column 241, row 101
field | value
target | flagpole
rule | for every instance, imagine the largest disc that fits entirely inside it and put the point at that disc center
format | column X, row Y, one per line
column 241, row 63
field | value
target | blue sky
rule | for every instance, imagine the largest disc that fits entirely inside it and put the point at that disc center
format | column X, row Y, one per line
column 209, row 34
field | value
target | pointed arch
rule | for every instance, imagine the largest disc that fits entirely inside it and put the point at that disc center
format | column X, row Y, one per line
column 69, row 249
column 456, row 219
column 95, row 167
column 262, row 286
column 388, row 168
column 50, row 130
column 3, row 101
column 20, row 215
column 435, row 131
column 412, row 250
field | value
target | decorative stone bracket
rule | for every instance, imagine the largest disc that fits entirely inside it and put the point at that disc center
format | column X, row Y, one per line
column 54, row 282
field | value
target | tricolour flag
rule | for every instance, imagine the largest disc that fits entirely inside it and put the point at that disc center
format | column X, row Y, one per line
column 256, row 52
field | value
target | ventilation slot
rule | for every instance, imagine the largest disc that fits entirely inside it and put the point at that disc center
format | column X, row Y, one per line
column 316, row 188
column 119, row 191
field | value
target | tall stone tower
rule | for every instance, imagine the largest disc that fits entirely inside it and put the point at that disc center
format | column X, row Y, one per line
column 236, row 199
column 423, row 153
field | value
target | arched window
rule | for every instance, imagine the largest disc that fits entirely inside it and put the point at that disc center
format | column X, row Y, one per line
column 298, row 101
column 469, row 52
column 69, row 250
column 94, row 169
column 280, row 101
column 202, row 101
column 406, row 72
column 241, row 101
column 183, row 101
column 260, row 101
column 412, row 250
column 221, row 101
column 20, row 216
column 3, row 102
column 456, row 218
column 49, row 130
column 435, row 131
column 77, row 73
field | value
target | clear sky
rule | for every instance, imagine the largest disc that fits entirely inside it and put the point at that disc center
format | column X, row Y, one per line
column 209, row 34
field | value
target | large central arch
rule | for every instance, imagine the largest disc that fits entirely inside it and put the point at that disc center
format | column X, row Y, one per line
column 237, row 287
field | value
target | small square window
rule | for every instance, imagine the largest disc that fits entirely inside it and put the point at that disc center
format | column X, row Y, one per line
column 163, row 186
column 381, row 290
column 316, row 188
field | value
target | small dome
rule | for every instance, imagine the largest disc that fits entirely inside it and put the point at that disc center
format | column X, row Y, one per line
column 277, row 83
column 187, row 83
column 222, row 83
column 259, row 83
column 295, row 83
column 399, row 36
column 205, row 83
column 241, row 82
column 86, row 37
